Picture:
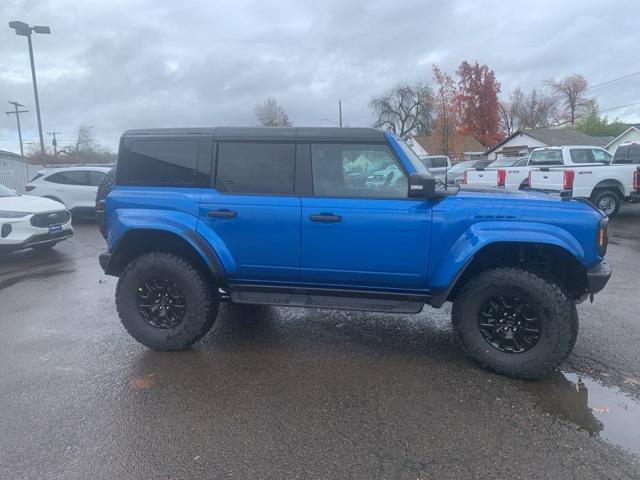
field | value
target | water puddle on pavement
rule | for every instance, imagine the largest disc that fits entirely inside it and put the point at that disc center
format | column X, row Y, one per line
column 602, row 411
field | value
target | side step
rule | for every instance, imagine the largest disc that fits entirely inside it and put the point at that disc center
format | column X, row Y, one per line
column 333, row 299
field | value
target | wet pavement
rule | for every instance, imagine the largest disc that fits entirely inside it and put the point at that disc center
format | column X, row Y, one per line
column 294, row 393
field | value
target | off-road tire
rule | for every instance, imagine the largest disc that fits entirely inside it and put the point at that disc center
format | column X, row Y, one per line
column 551, row 303
column 600, row 194
column 202, row 301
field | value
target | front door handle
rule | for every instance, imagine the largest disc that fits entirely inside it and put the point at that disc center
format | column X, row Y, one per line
column 325, row 217
column 222, row 214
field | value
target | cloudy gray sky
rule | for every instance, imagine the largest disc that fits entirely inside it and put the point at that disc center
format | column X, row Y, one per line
column 118, row 64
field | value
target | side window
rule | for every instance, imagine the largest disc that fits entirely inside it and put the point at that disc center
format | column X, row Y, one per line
column 581, row 155
column 73, row 177
column 353, row 170
column 522, row 162
column 159, row 162
column 255, row 168
column 601, row 156
column 95, row 178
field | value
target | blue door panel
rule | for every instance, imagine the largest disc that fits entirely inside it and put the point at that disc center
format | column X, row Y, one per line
column 263, row 238
column 377, row 243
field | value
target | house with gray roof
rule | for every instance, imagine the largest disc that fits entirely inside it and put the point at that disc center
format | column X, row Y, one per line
column 522, row 142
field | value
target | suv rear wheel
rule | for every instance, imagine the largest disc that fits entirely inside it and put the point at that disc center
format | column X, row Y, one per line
column 164, row 302
column 515, row 322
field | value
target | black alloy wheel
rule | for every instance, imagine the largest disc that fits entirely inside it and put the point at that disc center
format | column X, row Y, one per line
column 161, row 303
column 509, row 324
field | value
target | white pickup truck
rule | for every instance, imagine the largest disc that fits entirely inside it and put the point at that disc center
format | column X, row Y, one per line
column 607, row 186
column 516, row 177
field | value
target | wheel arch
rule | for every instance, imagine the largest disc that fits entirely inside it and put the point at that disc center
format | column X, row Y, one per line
column 548, row 259
column 610, row 184
column 189, row 245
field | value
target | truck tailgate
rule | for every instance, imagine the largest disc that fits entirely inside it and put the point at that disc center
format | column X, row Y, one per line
column 481, row 177
column 552, row 180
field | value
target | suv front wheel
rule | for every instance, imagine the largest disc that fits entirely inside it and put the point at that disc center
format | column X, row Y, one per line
column 164, row 302
column 515, row 322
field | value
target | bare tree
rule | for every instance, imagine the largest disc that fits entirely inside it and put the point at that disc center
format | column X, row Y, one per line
column 271, row 114
column 536, row 110
column 405, row 109
column 509, row 111
column 86, row 140
column 570, row 92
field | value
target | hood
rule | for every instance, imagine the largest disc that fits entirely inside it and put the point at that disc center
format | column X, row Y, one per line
column 29, row 204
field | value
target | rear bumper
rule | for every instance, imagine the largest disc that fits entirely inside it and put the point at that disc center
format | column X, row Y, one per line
column 598, row 276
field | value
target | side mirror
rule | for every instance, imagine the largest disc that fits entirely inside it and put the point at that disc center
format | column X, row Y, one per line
column 421, row 186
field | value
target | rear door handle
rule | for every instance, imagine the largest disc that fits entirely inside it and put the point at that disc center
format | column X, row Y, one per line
column 325, row 217
column 222, row 214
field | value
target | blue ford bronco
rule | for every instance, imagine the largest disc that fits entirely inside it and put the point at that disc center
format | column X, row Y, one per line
column 347, row 219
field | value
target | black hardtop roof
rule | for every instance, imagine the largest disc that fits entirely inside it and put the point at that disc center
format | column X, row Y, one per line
column 305, row 134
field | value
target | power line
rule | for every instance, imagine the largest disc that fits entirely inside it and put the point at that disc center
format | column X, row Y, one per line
column 613, row 80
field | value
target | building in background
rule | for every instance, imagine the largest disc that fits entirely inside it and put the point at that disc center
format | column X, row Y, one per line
column 631, row 134
column 461, row 147
column 522, row 142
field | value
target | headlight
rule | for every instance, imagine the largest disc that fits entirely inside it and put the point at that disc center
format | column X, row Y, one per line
column 13, row 214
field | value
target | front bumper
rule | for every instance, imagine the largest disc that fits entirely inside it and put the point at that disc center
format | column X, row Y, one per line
column 598, row 276
column 38, row 240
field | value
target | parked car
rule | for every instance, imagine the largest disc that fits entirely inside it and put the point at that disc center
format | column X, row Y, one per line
column 75, row 187
column 389, row 174
column 436, row 164
column 455, row 175
column 31, row 222
column 265, row 216
column 607, row 185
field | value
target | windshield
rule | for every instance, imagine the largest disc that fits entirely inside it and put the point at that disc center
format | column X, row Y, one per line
column 5, row 192
column 462, row 166
column 413, row 158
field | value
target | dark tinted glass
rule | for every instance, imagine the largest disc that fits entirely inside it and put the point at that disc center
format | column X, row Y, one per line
column 95, row 178
column 160, row 162
column 75, row 177
column 255, row 168
column 621, row 155
column 634, row 154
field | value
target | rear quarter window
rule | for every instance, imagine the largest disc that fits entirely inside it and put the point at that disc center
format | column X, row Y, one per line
column 546, row 157
column 160, row 162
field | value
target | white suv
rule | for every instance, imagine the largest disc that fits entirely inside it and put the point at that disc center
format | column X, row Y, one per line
column 75, row 187
column 31, row 222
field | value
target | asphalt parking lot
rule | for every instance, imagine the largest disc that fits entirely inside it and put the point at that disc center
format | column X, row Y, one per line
column 277, row 393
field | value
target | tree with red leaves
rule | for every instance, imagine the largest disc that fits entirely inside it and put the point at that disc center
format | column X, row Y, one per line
column 477, row 102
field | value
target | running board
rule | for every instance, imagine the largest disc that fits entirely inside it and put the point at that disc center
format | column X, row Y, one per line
column 332, row 299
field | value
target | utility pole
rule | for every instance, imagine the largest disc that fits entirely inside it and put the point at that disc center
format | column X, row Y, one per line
column 54, row 142
column 17, row 113
column 340, row 112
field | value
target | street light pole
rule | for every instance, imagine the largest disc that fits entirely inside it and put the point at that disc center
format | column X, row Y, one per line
column 25, row 30
column 35, row 94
